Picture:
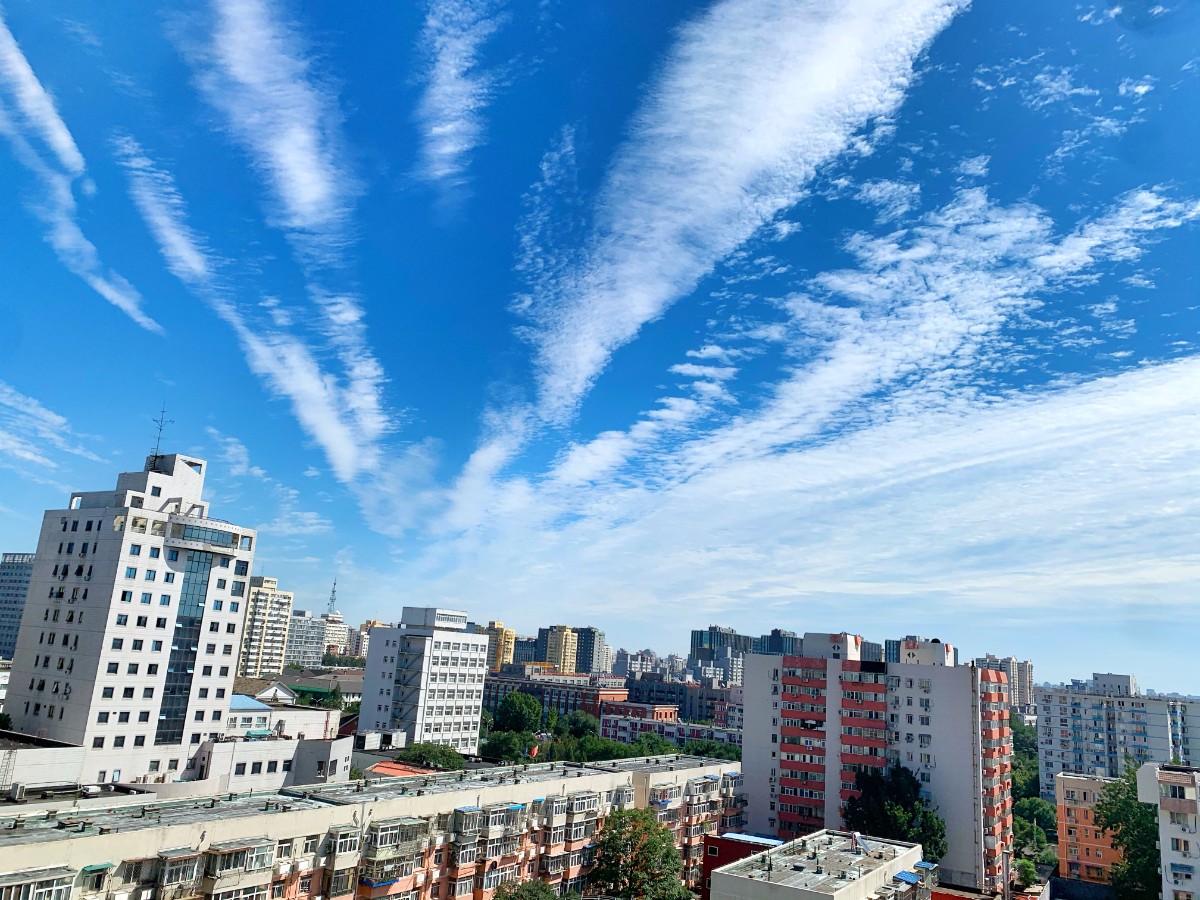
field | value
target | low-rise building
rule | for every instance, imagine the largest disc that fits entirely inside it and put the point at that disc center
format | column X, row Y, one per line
column 829, row 865
column 447, row 836
column 563, row 693
column 1085, row 852
column 626, row 722
column 723, row 849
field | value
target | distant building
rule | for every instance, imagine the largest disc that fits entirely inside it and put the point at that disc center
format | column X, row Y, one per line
column 1088, row 728
column 305, row 640
column 15, row 571
column 264, row 634
column 1085, row 852
column 589, row 650
column 723, row 849
column 1020, row 677
column 425, row 678
column 561, row 647
column 525, row 650
column 554, row 690
column 776, row 642
column 697, row 702
column 626, row 722
column 501, row 643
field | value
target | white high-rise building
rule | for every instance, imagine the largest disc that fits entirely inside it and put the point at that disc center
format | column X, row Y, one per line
column 305, row 639
column 15, row 570
column 1020, row 676
column 131, row 631
column 264, row 642
column 1089, row 727
column 425, row 678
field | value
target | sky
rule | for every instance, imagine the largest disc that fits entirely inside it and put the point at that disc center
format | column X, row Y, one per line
column 876, row 316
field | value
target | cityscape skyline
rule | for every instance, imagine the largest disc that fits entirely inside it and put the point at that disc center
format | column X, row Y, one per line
column 623, row 317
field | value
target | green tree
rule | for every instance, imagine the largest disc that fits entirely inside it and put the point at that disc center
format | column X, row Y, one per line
column 1026, row 782
column 636, row 859
column 650, row 744
column 486, row 723
column 713, row 749
column 1027, row 836
column 5, row 721
column 1026, row 872
column 1134, row 829
column 579, row 724
column 519, row 712
column 551, row 719
column 508, row 746
column 431, row 756
column 529, row 890
column 1038, row 811
column 889, row 805
column 1047, row 857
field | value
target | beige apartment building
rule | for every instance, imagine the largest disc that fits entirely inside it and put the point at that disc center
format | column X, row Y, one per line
column 561, row 646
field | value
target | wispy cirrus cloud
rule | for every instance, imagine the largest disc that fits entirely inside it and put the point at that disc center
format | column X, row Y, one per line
column 29, row 432
column 755, row 95
column 28, row 116
column 323, row 405
column 457, row 88
column 256, row 70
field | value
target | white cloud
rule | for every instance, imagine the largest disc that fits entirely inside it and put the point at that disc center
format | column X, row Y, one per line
column 457, row 89
column 1136, row 87
column 26, row 110
column 29, row 432
column 892, row 198
column 975, row 166
column 323, row 405
column 1056, row 85
column 257, row 73
column 755, row 95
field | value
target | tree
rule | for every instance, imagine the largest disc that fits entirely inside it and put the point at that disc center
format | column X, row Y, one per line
column 889, row 805
column 579, row 724
column 650, row 744
column 508, row 746
column 1038, row 811
column 1026, row 782
column 1026, row 873
column 713, row 750
column 519, row 712
column 551, row 719
column 486, row 723
column 431, row 756
column 529, row 890
column 636, row 859
column 1134, row 829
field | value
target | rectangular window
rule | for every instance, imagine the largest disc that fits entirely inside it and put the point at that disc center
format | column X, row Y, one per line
column 130, row 572
column 118, row 643
column 135, row 549
column 169, row 577
column 126, row 596
column 151, row 574
column 147, row 597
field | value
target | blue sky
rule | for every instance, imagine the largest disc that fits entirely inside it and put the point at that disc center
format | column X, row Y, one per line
column 878, row 315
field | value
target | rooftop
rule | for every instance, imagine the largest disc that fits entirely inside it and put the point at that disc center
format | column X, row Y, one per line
column 825, row 862
column 242, row 703
column 35, row 826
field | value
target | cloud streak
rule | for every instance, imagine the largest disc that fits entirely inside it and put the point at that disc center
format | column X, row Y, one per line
column 753, row 98
column 457, row 89
column 27, row 112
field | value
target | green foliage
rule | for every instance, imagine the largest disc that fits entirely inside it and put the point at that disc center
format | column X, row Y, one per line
column 579, row 724
column 1047, row 857
column 1038, row 811
column 636, row 859
column 508, row 746
column 1026, row 782
column 486, row 723
column 529, row 890
column 1026, row 872
column 551, row 719
column 1027, row 836
column 649, row 744
column 351, row 709
column 431, row 756
column 357, row 774
column 1134, row 829
column 5, row 721
column 889, row 805
column 713, row 750
column 294, row 667
column 519, row 712
column 345, row 662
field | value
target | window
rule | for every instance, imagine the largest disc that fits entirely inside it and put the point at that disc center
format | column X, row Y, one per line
column 241, row 567
column 126, row 596
column 135, row 549
column 239, row 768
column 123, row 716
column 173, row 555
column 151, row 574
column 164, row 600
column 347, row 842
column 142, row 621
column 131, row 669
column 97, row 743
column 107, row 693
column 218, row 605
column 127, row 693
column 148, row 693
column 156, row 645
column 144, row 715
column 154, row 551
column 169, row 577
column 221, row 584
column 147, row 598
column 118, row 644
column 160, row 623
column 233, row 607
column 256, row 768
column 102, row 717
column 178, row 871
column 311, row 843
column 119, row 740
column 272, row 765
column 261, row 857
column 140, row 741
column 131, row 572
column 156, row 491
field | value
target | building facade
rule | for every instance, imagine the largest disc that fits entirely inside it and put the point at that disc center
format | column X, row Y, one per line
column 563, row 693
column 305, row 645
column 1085, row 852
column 15, row 572
column 130, row 635
column 814, row 722
column 1174, row 791
column 697, row 702
column 425, row 678
column 501, row 641
column 1088, row 727
column 264, row 632
column 562, row 645
column 1019, row 673
column 590, row 656
column 429, row 836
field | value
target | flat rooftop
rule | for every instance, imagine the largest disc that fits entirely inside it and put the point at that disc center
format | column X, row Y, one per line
column 35, row 826
column 825, row 862
column 449, row 782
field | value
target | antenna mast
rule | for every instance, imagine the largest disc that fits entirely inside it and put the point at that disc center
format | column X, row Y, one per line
column 333, row 599
column 160, row 425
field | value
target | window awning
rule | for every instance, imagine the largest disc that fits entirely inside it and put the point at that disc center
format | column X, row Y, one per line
column 179, row 853
column 31, row 875
column 907, row 877
column 97, row 867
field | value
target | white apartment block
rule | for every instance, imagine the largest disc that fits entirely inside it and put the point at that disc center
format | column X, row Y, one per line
column 425, row 678
column 264, row 632
column 1019, row 673
column 305, row 640
column 131, row 631
column 15, row 571
column 1175, row 793
column 814, row 720
column 1088, row 728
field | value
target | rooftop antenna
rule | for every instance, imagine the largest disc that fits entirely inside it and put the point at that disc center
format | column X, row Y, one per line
column 160, row 425
column 333, row 599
